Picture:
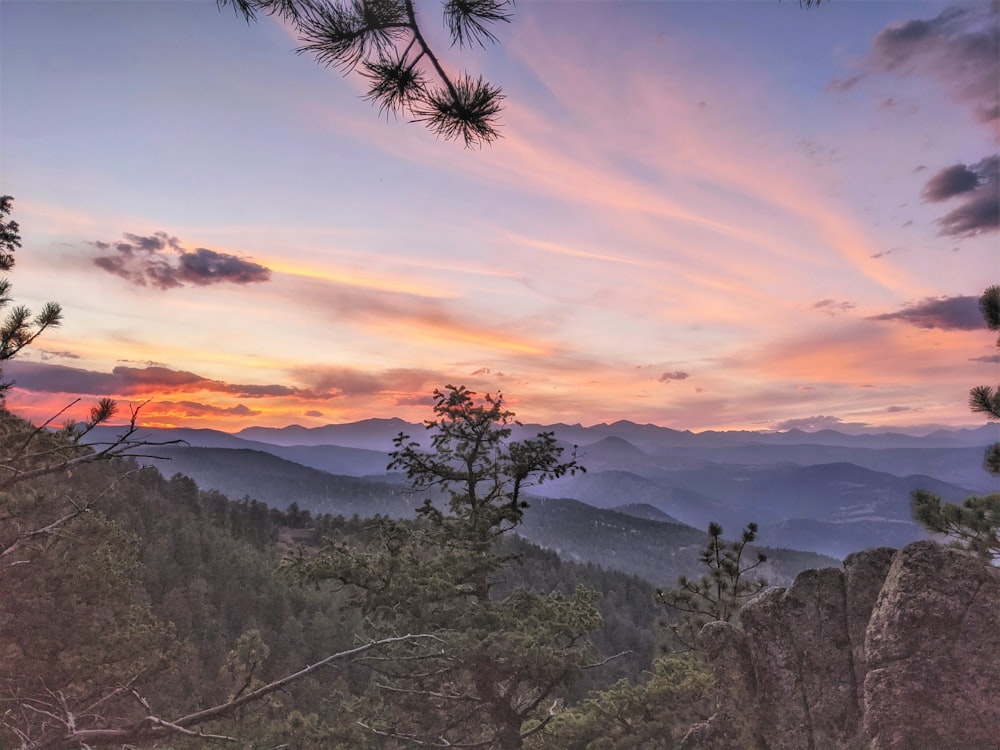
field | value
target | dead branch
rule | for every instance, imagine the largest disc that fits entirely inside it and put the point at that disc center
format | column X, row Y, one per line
column 22, row 466
column 153, row 728
column 605, row 661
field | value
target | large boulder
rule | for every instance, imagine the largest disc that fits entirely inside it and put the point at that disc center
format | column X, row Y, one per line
column 900, row 651
column 933, row 653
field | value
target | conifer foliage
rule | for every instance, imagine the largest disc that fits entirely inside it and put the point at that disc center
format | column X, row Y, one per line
column 19, row 328
column 975, row 524
column 719, row 594
column 384, row 42
column 493, row 676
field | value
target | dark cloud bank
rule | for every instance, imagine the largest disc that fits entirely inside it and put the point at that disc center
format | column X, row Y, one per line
column 320, row 383
column 158, row 260
column 960, row 47
column 946, row 313
column 125, row 381
column 977, row 188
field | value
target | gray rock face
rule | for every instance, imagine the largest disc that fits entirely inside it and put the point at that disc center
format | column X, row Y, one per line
column 933, row 649
column 900, row 651
column 864, row 574
column 800, row 651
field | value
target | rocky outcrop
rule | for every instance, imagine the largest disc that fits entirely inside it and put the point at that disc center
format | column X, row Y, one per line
column 933, row 649
column 800, row 650
column 864, row 575
column 900, row 650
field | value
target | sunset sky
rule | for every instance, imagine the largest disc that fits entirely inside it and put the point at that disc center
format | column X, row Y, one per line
column 704, row 215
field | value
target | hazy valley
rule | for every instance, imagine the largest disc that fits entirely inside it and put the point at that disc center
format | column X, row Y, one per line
column 648, row 493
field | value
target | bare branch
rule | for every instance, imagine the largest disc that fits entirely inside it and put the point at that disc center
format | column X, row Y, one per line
column 152, row 728
column 22, row 466
column 605, row 661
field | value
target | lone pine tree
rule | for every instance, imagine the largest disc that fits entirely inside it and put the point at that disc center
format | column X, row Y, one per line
column 725, row 587
column 493, row 674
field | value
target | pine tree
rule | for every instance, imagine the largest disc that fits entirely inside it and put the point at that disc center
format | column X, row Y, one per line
column 492, row 676
column 384, row 42
column 20, row 328
column 719, row 594
column 975, row 524
column 650, row 714
column 982, row 398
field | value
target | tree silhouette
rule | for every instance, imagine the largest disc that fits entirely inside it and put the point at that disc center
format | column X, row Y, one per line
column 975, row 524
column 27, row 451
column 503, row 660
column 19, row 328
column 383, row 41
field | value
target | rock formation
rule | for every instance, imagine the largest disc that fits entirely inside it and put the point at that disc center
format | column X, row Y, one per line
column 898, row 651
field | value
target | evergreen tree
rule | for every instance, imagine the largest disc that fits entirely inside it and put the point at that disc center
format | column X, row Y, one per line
column 719, row 594
column 30, row 452
column 651, row 714
column 982, row 398
column 383, row 40
column 20, row 328
column 975, row 524
column 483, row 473
column 494, row 673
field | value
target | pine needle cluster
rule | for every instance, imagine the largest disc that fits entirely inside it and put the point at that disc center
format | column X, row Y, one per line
column 384, row 42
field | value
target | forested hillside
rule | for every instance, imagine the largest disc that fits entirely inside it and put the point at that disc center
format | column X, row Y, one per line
column 162, row 599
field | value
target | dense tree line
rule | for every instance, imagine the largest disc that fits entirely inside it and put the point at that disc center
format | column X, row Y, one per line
column 163, row 598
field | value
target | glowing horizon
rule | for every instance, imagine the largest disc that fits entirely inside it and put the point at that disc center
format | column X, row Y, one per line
column 734, row 216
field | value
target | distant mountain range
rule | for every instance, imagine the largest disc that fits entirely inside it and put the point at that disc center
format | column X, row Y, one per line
column 647, row 496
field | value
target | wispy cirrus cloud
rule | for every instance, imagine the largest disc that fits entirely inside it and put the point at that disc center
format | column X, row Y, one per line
column 350, row 381
column 160, row 261
column 409, row 317
column 946, row 313
column 833, row 307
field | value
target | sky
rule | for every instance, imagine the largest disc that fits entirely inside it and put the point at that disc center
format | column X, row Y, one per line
column 703, row 215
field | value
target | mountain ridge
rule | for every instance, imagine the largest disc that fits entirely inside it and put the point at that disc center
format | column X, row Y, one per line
column 835, row 496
